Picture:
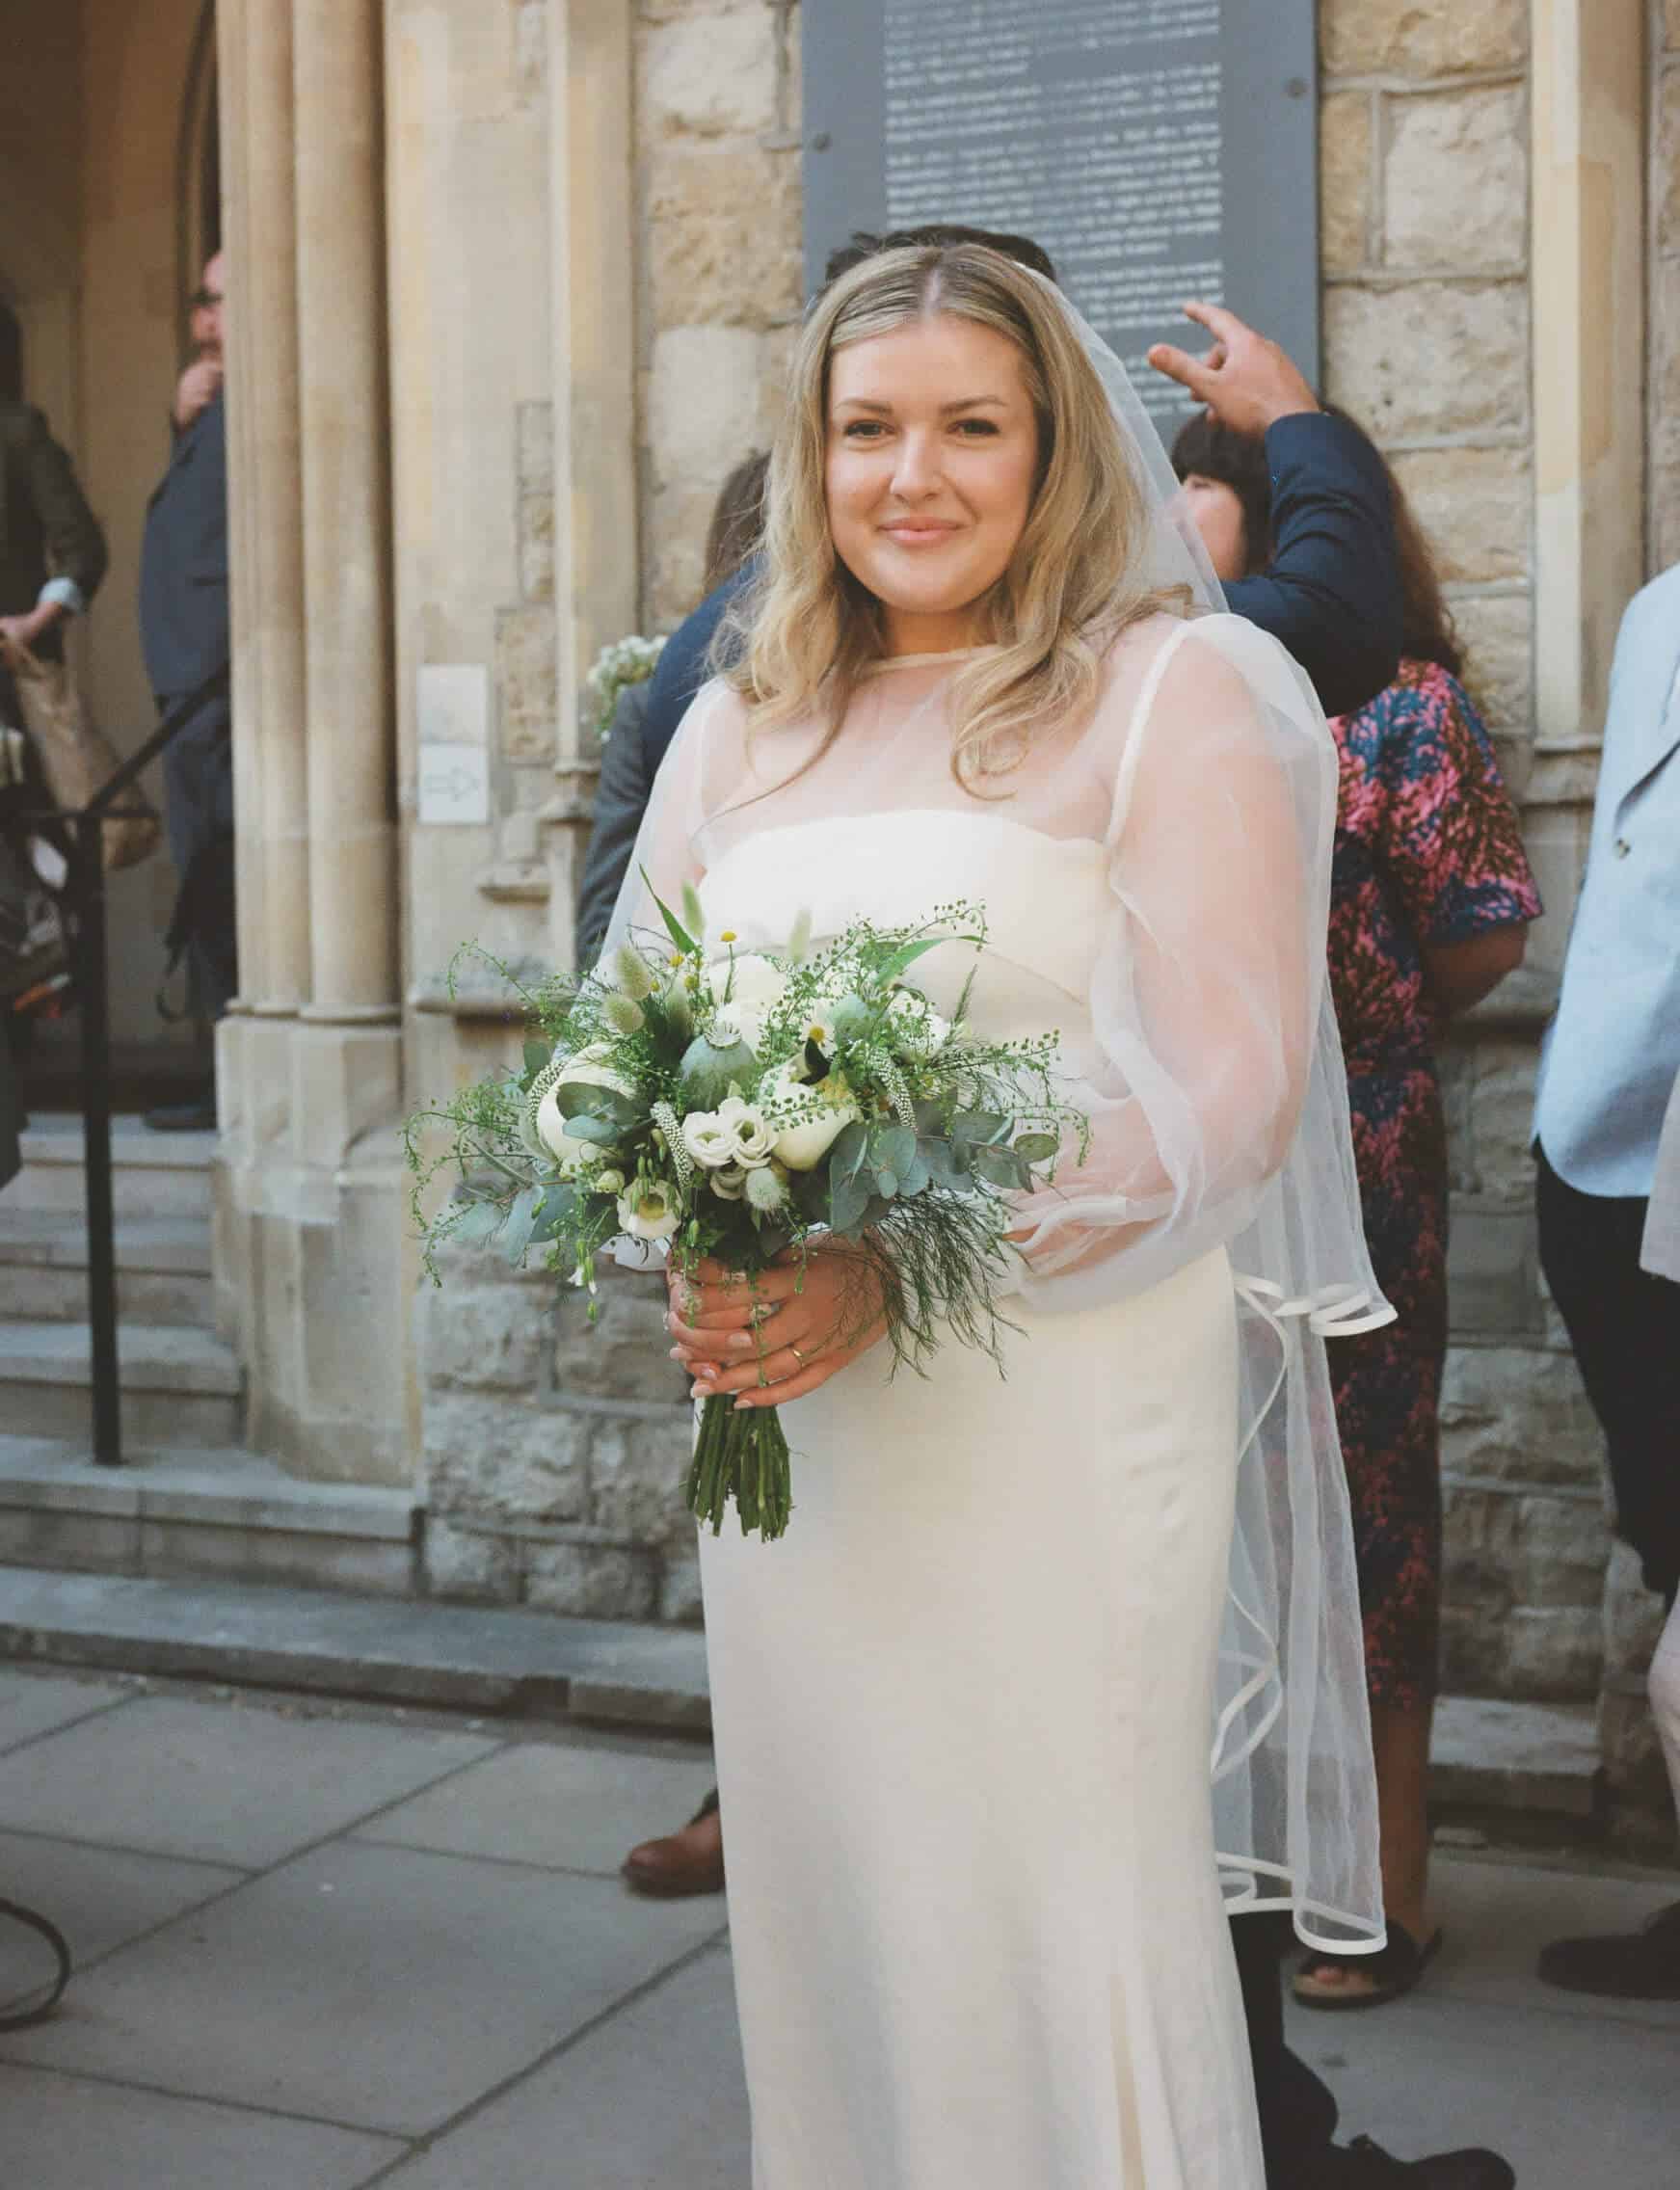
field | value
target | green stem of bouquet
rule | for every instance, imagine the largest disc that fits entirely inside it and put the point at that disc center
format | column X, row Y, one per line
column 741, row 1455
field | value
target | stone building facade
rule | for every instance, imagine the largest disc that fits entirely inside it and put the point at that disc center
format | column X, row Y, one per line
column 516, row 283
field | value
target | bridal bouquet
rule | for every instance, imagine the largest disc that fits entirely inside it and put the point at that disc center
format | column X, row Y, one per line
column 715, row 1102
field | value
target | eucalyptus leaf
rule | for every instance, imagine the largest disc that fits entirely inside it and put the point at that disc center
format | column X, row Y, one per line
column 554, row 1211
column 601, row 1132
column 886, row 1184
column 847, row 1201
column 537, row 1055
column 893, row 1148
column 516, row 1234
column 581, row 1099
column 978, row 1127
column 943, row 1162
column 1001, row 1167
column 479, row 1221
column 916, row 1177
column 845, row 1159
column 1036, row 1147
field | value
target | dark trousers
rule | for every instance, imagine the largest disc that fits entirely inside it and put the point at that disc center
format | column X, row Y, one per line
column 1298, row 2114
column 1624, row 1325
column 198, row 774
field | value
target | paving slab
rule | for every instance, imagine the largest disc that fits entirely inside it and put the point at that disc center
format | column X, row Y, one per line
column 1496, row 1916
column 652, row 2100
column 473, row 1657
column 33, row 1704
column 66, row 2133
column 561, row 1807
column 246, row 1786
column 98, row 1897
column 381, row 1988
column 1570, row 2101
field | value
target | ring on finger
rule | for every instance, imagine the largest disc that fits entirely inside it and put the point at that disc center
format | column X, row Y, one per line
column 797, row 1355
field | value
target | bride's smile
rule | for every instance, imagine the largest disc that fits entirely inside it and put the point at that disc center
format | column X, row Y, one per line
column 931, row 462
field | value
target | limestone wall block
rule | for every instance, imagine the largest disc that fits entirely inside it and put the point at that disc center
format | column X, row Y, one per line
column 1672, row 24
column 504, row 1463
column 1428, row 357
column 636, row 1468
column 1666, row 181
column 1345, row 133
column 711, row 71
column 536, row 545
column 1632, row 1615
column 1502, row 1113
column 703, row 403
column 1476, row 505
column 483, row 1338
column 1498, row 636
column 1434, row 37
column 534, row 444
column 675, row 550
column 682, row 1603
column 527, row 680
column 1493, row 1270
column 625, row 1352
column 1665, row 478
column 1518, row 1414
column 1528, row 1654
column 725, row 236
column 464, row 1565
column 1455, row 179
column 587, row 1582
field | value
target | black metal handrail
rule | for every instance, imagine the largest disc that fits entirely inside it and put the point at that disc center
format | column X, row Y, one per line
column 91, row 962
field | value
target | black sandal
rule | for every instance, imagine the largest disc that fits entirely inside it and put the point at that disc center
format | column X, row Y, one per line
column 1394, row 1970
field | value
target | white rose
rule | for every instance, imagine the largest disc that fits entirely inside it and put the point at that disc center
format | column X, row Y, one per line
column 751, row 1135
column 748, row 990
column 707, row 1140
column 809, row 1120
column 589, row 1068
column 917, row 1030
column 730, row 1185
column 650, row 1210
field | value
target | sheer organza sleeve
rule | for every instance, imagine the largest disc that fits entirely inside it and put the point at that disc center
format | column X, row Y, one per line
column 1204, row 987
column 1218, row 1109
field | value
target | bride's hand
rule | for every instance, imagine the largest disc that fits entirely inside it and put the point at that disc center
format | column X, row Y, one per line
column 771, row 1338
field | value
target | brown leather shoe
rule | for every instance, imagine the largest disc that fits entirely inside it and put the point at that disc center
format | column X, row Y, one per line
column 683, row 1863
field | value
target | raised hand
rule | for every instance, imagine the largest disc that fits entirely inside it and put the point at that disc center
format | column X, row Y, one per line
column 1246, row 380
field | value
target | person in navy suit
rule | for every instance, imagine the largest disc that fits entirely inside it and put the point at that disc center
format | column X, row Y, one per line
column 1608, row 1074
column 185, row 635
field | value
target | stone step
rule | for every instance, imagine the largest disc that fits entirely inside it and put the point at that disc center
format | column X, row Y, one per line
column 155, row 1174
column 180, row 1387
column 463, row 1657
column 163, row 1268
column 1541, row 1759
column 212, row 1513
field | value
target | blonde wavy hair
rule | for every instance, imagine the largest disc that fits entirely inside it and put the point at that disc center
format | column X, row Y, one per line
column 804, row 633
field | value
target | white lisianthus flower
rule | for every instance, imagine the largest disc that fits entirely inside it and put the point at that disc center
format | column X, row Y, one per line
column 707, row 1140
column 730, row 1185
column 650, row 1210
column 750, row 1132
column 610, row 1182
column 809, row 1120
column 748, row 989
column 917, row 1030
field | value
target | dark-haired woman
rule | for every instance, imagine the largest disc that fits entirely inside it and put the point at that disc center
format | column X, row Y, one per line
column 1431, row 897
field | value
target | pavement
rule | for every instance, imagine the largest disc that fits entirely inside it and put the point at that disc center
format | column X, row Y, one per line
column 323, row 1945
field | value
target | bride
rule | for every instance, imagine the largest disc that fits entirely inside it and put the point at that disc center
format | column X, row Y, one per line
column 1049, row 1671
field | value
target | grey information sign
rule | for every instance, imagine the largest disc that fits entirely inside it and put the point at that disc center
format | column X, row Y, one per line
column 1158, row 149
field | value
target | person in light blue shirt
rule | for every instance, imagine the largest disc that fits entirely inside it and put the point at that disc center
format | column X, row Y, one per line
column 1607, row 1069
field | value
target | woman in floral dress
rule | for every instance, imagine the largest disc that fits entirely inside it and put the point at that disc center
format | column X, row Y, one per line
column 1431, row 897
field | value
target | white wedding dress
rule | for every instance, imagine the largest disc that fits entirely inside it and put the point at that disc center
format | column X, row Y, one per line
column 964, row 1710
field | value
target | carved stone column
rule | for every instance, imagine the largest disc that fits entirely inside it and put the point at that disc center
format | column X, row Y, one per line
column 342, row 322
